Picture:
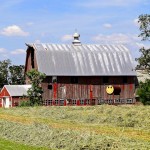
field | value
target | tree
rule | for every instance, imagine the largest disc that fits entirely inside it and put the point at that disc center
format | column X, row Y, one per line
column 144, row 60
column 35, row 92
column 144, row 21
column 144, row 92
column 16, row 74
column 4, row 72
column 11, row 74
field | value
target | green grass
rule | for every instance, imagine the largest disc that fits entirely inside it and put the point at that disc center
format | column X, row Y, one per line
column 10, row 145
column 92, row 127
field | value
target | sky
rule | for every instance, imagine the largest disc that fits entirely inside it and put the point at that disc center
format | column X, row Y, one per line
column 55, row 21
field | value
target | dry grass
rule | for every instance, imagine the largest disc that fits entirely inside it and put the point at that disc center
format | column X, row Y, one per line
column 95, row 127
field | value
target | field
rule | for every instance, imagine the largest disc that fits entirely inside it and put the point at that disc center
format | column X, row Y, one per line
column 103, row 127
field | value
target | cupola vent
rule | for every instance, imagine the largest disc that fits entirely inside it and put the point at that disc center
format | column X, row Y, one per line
column 76, row 40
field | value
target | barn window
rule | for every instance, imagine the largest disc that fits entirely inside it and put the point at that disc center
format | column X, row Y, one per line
column 88, row 101
column 117, row 101
column 105, row 79
column 74, row 102
column 125, row 79
column 110, row 101
column 61, row 102
column 56, row 102
column 129, row 101
column 50, row 87
column 47, row 102
column 81, row 102
column 74, row 80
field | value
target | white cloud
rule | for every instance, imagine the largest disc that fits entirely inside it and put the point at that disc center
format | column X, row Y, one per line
column 14, row 30
column 67, row 38
column 107, row 25
column 18, row 52
column 117, row 38
column 2, row 50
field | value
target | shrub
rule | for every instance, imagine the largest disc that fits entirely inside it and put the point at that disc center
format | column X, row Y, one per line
column 24, row 103
column 144, row 92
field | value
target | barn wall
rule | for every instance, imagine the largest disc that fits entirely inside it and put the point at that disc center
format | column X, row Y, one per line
column 87, row 88
column 30, row 61
column 47, row 93
column 4, row 92
column 0, row 102
column 16, row 100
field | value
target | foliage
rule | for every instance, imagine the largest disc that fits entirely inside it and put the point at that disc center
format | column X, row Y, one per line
column 144, row 92
column 16, row 74
column 11, row 74
column 24, row 103
column 144, row 60
column 35, row 92
column 144, row 21
column 4, row 72
column 71, row 128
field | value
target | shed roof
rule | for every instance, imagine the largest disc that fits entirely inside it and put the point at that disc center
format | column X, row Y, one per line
column 83, row 60
column 17, row 90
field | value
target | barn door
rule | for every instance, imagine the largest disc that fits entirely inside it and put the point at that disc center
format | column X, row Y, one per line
column 6, row 102
column 63, row 92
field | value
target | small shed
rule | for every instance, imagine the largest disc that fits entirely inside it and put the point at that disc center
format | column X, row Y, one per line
column 10, row 95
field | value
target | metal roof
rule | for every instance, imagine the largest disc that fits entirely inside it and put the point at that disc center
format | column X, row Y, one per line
column 84, row 60
column 17, row 90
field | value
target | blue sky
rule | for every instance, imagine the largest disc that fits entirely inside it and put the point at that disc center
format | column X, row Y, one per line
column 54, row 21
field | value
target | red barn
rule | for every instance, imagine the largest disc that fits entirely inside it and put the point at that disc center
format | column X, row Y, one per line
column 10, row 95
column 83, row 74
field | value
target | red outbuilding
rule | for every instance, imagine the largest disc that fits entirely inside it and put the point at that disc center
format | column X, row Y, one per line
column 11, row 95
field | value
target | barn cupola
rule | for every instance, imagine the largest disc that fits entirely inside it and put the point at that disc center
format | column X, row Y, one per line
column 76, row 40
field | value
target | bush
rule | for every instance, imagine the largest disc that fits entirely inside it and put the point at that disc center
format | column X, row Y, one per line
column 144, row 92
column 24, row 103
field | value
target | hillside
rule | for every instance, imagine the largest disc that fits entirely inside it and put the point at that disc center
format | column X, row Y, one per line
column 95, row 127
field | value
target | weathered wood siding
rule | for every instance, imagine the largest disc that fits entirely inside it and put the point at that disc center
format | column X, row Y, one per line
column 31, row 62
column 87, row 88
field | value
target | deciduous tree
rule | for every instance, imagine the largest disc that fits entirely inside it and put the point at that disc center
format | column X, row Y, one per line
column 4, row 72
column 35, row 92
column 16, row 75
column 144, row 60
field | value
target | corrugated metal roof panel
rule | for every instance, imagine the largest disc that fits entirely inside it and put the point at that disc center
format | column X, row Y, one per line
column 17, row 90
column 84, row 60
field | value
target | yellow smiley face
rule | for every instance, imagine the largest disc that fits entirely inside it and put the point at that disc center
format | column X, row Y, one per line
column 109, row 89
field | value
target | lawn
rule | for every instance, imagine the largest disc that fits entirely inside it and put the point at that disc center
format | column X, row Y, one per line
column 72, row 128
